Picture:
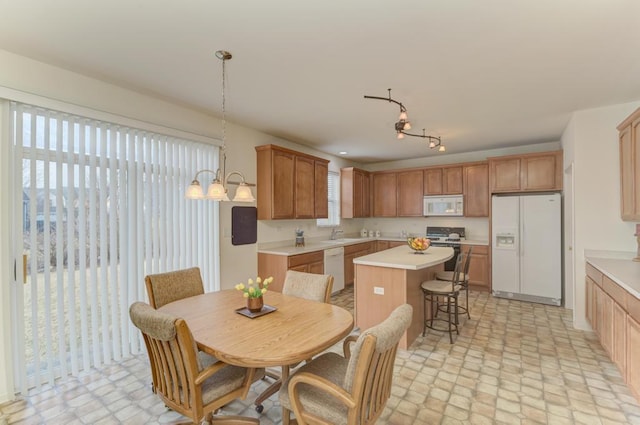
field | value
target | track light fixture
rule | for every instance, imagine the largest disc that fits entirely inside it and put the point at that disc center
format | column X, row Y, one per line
column 403, row 124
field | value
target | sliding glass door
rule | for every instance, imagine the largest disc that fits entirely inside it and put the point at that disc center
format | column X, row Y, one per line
column 101, row 206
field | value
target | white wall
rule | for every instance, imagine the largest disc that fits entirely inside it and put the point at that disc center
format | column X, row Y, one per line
column 590, row 141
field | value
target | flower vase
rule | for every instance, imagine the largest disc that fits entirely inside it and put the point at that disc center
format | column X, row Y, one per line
column 254, row 305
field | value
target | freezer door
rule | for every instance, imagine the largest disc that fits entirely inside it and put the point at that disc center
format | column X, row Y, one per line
column 541, row 246
column 505, row 259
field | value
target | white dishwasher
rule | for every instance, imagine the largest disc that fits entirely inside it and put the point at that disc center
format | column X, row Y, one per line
column 334, row 265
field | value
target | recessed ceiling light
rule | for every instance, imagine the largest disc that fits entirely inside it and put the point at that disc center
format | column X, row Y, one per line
column 342, row 152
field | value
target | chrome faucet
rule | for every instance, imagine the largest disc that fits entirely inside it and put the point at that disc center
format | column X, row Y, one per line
column 334, row 233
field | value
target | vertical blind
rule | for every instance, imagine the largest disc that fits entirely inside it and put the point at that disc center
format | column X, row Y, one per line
column 101, row 205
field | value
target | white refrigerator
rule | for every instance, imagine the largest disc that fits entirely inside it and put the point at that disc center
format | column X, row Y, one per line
column 526, row 248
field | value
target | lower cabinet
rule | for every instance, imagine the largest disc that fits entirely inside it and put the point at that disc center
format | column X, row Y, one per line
column 350, row 253
column 277, row 266
column 382, row 245
column 614, row 315
column 478, row 267
column 633, row 356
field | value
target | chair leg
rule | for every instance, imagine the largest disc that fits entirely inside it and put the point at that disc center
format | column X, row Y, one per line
column 286, row 416
column 467, row 300
column 271, row 390
column 450, row 319
column 424, row 314
column 234, row 420
column 455, row 310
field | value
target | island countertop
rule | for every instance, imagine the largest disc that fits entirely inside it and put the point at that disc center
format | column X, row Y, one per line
column 402, row 257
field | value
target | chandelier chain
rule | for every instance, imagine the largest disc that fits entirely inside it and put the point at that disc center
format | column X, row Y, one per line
column 224, row 112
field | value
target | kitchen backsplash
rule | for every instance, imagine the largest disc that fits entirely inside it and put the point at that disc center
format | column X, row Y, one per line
column 283, row 230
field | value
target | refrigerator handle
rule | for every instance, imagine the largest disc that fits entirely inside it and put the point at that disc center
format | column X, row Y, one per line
column 521, row 230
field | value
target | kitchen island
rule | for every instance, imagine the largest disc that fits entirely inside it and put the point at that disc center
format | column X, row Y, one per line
column 386, row 279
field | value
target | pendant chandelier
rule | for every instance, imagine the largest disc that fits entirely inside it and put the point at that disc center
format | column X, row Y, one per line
column 218, row 189
column 403, row 125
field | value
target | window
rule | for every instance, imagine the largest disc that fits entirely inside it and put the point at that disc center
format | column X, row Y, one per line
column 334, row 202
column 98, row 206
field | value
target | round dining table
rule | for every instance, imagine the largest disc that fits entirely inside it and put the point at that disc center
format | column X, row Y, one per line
column 296, row 330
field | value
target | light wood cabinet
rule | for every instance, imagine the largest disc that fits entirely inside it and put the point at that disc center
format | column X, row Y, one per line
column 350, row 253
column 355, row 196
column 614, row 315
column 409, row 193
column 478, row 267
column 432, row 181
column 290, row 184
column 384, row 187
column 534, row 172
column 476, row 190
column 443, row 180
column 633, row 356
column 383, row 245
column 277, row 266
column 452, row 180
column 629, row 138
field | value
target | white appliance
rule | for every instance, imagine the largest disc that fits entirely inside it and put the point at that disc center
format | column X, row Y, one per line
column 526, row 248
column 450, row 205
column 334, row 265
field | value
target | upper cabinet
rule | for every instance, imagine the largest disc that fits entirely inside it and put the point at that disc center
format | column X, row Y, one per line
column 290, row 184
column 476, row 189
column 534, row 172
column 409, row 193
column 443, row 180
column 355, row 193
column 385, row 191
column 630, row 167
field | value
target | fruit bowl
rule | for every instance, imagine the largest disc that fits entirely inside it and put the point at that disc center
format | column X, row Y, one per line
column 418, row 245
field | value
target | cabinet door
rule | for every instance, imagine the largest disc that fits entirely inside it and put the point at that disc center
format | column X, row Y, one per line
column 349, row 269
column 476, row 190
column 633, row 356
column 382, row 245
column 606, row 325
column 479, row 266
column 321, row 184
column 384, row 195
column 283, row 175
column 410, row 193
column 366, row 195
column 590, row 301
column 452, row 181
column 317, row 267
column 635, row 139
column 305, row 190
column 619, row 337
column 627, row 201
column 504, row 175
column 540, row 173
column 433, row 181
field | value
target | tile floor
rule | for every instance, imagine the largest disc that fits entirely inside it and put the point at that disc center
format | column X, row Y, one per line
column 513, row 363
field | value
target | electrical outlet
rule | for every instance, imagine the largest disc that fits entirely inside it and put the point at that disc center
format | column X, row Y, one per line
column 226, row 232
column 378, row 290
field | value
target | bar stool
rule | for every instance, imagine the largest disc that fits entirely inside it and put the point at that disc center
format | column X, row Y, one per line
column 464, row 282
column 433, row 290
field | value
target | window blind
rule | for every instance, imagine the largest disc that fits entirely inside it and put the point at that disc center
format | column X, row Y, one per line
column 100, row 206
column 333, row 218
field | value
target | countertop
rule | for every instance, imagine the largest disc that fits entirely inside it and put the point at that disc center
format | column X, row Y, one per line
column 619, row 267
column 403, row 257
column 288, row 248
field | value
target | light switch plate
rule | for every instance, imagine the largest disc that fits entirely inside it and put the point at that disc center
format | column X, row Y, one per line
column 378, row 290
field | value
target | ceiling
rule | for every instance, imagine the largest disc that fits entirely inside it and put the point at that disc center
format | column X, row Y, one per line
column 480, row 74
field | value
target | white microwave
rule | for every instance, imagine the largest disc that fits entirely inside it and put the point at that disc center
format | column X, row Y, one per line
column 450, row 205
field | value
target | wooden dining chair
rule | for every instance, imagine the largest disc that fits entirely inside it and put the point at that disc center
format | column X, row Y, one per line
column 310, row 286
column 163, row 288
column 184, row 385
column 354, row 389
